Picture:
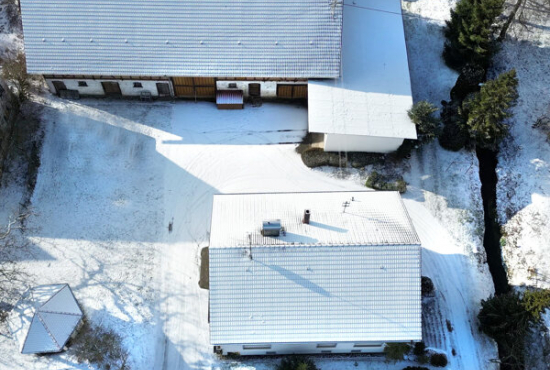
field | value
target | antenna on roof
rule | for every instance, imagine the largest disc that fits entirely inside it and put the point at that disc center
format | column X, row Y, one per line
column 333, row 5
column 250, row 246
column 345, row 205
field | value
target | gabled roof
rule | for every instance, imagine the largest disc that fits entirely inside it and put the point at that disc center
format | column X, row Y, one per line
column 373, row 94
column 369, row 218
column 239, row 38
column 55, row 316
column 350, row 276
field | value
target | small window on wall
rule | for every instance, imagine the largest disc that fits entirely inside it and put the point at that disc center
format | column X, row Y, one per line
column 367, row 345
column 82, row 84
column 257, row 346
column 137, row 85
column 232, row 85
column 326, row 345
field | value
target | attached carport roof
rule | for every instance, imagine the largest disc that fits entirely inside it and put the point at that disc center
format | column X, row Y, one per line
column 374, row 93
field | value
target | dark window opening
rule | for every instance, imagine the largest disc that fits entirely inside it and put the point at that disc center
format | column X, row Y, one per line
column 137, row 85
column 82, row 84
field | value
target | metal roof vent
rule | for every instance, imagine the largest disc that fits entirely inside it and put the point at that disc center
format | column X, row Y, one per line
column 307, row 216
column 271, row 228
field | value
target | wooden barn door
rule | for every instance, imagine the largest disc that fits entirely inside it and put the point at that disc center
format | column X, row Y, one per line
column 59, row 86
column 111, row 88
column 194, row 87
column 287, row 91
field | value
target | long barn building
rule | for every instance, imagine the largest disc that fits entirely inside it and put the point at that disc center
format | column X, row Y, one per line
column 186, row 48
column 348, row 58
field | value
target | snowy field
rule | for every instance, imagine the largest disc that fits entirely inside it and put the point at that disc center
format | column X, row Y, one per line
column 524, row 168
column 115, row 174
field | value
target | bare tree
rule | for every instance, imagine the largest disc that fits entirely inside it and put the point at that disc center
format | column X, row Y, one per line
column 510, row 19
column 13, row 11
column 13, row 280
column 14, row 69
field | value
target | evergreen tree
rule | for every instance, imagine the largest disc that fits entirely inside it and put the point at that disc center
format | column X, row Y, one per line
column 426, row 123
column 470, row 33
column 505, row 319
column 487, row 110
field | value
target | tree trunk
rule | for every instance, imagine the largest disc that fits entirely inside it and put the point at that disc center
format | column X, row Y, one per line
column 509, row 21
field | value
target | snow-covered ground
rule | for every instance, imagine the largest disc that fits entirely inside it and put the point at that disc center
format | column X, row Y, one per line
column 115, row 174
column 524, row 161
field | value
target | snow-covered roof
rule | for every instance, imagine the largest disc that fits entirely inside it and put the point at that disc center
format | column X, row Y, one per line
column 374, row 92
column 351, row 274
column 55, row 314
column 240, row 38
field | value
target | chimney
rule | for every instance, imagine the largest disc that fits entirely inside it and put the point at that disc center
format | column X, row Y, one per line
column 307, row 215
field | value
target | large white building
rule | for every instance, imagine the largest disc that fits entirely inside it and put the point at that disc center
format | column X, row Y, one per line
column 347, row 57
column 335, row 272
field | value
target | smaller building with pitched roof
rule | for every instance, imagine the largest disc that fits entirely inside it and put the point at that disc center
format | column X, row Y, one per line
column 48, row 316
column 327, row 272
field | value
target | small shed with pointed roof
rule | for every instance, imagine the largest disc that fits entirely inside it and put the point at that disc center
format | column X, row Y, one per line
column 49, row 314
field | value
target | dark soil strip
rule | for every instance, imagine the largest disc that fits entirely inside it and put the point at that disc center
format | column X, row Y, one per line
column 491, row 240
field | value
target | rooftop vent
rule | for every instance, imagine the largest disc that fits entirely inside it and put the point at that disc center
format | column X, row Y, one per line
column 271, row 228
column 307, row 215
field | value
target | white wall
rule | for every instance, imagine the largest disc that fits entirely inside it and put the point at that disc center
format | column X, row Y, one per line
column 299, row 348
column 95, row 88
column 268, row 89
column 361, row 143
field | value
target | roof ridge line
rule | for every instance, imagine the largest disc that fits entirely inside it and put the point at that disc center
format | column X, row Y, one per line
column 58, row 312
column 48, row 330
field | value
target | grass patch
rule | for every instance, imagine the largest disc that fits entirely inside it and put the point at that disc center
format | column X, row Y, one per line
column 204, row 281
column 317, row 157
column 379, row 182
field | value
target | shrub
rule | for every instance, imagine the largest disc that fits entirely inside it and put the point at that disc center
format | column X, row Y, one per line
column 102, row 347
column 415, row 368
column 487, row 110
column 536, row 301
column 427, row 125
column 14, row 69
column 419, row 349
column 470, row 33
column 379, row 182
column 427, row 286
column 316, row 157
column 297, row 363
column 396, row 351
column 438, row 360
